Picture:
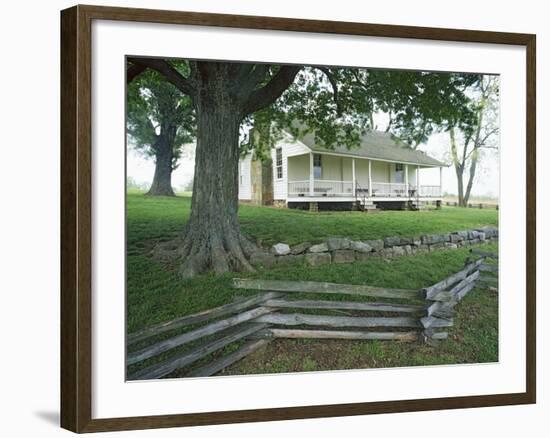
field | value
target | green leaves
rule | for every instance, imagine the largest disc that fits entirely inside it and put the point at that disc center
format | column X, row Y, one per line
column 337, row 105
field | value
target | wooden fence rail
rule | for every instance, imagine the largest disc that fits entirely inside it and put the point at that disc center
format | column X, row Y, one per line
column 210, row 329
column 337, row 321
column 344, row 305
column 325, row 288
column 338, row 334
column 258, row 319
column 240, row 304
column 166, row 367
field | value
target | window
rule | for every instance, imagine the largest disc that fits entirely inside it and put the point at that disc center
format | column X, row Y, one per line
column 399, row 173
column 279, row 162
column 317, row 166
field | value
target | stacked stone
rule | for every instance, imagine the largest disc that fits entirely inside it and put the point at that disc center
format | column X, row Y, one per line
column 342, row 250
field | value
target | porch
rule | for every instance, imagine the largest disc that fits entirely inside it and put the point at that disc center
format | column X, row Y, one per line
column 328, row 177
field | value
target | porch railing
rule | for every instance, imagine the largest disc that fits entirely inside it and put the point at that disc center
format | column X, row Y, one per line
column 430, row 191
column 298, row 188
column 394, row 190
column 330, row 188
column 321, row 187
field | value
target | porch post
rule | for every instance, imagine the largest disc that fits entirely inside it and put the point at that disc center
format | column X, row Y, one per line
column 406, row 180
column 440, row 181
column 353, row 183
column 417, row 180
column 370, row 179
column 311, row 191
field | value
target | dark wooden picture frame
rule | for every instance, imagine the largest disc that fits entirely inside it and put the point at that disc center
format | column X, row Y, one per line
column 76, row 218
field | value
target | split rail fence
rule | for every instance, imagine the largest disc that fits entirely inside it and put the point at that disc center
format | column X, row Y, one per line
column 273, row 314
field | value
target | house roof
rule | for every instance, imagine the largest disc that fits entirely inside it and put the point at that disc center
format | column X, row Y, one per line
column 377, row 145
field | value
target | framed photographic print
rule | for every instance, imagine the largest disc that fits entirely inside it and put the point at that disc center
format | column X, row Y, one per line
column 268, row 218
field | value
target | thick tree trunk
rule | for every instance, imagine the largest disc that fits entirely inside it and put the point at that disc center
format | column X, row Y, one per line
column 213, row 238
column 162, row 180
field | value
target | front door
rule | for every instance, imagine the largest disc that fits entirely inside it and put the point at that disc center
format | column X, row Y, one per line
column 399, row 173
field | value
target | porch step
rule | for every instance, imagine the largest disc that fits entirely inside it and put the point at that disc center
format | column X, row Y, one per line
column 368, row 206
column 418, row 205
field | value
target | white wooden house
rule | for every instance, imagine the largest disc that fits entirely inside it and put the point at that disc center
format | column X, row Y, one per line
column 382, row 172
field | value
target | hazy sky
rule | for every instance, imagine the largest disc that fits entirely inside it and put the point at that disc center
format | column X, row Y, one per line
column 486, row 183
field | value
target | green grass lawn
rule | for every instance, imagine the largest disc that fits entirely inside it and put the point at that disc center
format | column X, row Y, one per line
column 152, row 218
column 156, row 294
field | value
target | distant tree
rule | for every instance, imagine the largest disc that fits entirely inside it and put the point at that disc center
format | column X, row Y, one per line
column 470, row 137
column 160, row 120
column 131, row 183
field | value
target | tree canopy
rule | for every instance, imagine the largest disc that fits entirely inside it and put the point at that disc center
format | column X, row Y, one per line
column 338, row 104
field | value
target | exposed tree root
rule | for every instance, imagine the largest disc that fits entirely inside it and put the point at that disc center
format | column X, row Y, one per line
column 219, row 252
column 195, row 256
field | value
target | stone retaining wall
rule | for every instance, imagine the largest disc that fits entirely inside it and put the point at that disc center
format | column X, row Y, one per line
column 341, row 250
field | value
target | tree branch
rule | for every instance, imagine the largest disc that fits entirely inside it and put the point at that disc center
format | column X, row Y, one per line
column 266, row 95
column 465, row 150
column 471, row 176
column 249, row 78
column 334, row 86
column 133, row 71
column 390, row 121
column 361, row 82
column 170, row 73
column 486, row 137
column 467, row 157
column 244, row 71
column 454, row 154
column 257, row 75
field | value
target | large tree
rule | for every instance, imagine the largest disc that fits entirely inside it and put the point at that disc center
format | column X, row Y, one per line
column 160, row 121
column 331, row 102
column 471, row 137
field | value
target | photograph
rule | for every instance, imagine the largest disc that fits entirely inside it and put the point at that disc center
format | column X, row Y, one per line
column 285, row 218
